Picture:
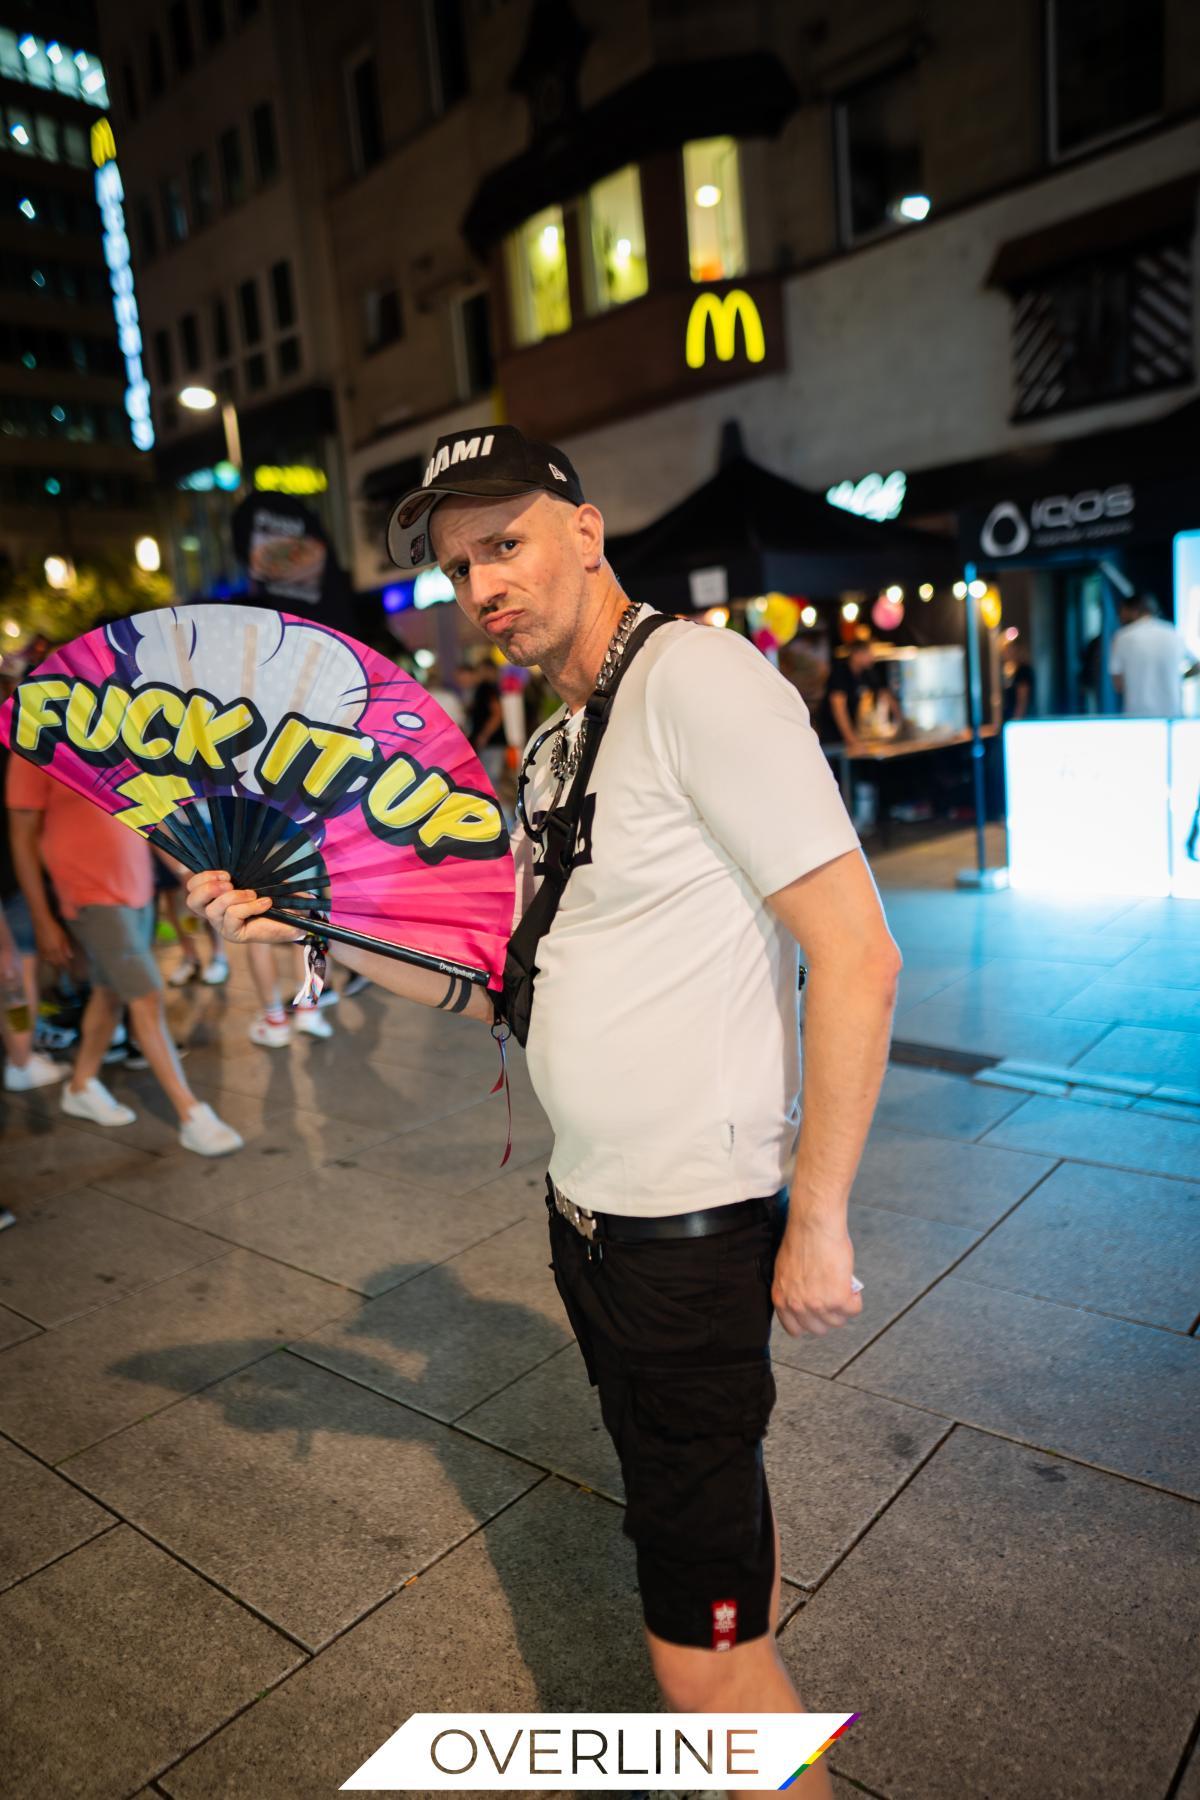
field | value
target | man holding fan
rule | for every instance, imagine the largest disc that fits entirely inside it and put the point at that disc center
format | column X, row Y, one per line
column 663, row 1043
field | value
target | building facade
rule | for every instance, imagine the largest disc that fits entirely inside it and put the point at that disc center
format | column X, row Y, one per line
column 76, row 474
column 212, row 104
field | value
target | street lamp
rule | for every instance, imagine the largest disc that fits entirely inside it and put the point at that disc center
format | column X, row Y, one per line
column 147, row 555
column 59, row 571
column 202, row 399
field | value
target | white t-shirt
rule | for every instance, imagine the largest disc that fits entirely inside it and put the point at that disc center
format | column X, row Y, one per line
column 664, row 1043
column 1149, row 657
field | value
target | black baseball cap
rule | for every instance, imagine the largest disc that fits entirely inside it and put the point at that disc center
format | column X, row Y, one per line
column 487, row 462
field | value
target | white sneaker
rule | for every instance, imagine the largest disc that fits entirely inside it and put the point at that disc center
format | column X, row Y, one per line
column 207, row 1135
column 183, row 973
column 217, row 972
column 271, row 1037
column 38, row 1072
column 94, row 1102
column 312, row 1023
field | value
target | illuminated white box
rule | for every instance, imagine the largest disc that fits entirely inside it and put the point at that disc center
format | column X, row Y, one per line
column 1088, row 806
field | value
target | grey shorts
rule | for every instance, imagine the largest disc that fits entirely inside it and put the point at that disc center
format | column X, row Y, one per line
column 118, row 941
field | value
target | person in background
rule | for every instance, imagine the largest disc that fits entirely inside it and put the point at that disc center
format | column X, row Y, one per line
column 105, row 888
column 168, row 886
column 485, row 723
column 850, row 682
column 24, row 1067
column 446, row 695
column 1017, row 699
column 1148, row 662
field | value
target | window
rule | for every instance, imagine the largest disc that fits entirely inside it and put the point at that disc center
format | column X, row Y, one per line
column 147, row 230
column 447, row 49
column 181, row 36
column 266, row 149
column 713, row 194
column 383, row 317
column 251, row 318
column 226, row 378
column 366, row 126
column 880, row 183
column 1104, row 331
column 46, row 136
column 129, row 85
column 473, row 346
column 212, row 20
column 200, row 187
column 287, row 355
column 233, row 180
column 75, row 146
column 174, row 217
column 162, row 358
column 256, row 373
column 156, row 68
column 189, row 338
column 1104, row 69
column 20, row 131
column 282, row 298
column 222, row 345
column 536, row 256
column 616, row 241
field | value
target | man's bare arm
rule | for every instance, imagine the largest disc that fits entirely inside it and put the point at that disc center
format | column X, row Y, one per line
column 24, row 832
column 853, row 965
column 235, row 913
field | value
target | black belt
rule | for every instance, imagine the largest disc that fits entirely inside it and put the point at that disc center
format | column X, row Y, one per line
column 626, row 1228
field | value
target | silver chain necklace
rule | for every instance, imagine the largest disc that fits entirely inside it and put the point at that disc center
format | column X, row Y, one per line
column 565, row 751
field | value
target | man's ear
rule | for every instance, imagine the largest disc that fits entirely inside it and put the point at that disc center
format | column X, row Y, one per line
column 589, row 526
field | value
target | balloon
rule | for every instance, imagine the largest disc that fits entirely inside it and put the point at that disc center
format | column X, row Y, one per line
column 781, row 617
column 886, row 613
column 765, row 640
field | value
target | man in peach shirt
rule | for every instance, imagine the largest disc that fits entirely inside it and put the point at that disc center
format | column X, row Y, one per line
column 104, row 885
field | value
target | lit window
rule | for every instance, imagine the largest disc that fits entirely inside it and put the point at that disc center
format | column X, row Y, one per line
column 47, row 138
column 20, row 131
column 12, row 63
column 617, row 240
column 713, row 190
column 537, row 277
column 75, row 147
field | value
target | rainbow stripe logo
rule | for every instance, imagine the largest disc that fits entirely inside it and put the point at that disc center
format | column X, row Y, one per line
column 818, row 1754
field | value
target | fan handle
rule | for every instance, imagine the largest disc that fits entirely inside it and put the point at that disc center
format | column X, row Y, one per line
column 420, row 959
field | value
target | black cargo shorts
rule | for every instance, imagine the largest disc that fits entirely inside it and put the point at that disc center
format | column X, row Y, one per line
column 675, row 1334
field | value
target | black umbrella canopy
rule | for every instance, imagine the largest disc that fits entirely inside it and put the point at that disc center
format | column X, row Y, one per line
column 769, row 534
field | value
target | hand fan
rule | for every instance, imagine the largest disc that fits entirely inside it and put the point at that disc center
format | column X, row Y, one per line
column 309, row 767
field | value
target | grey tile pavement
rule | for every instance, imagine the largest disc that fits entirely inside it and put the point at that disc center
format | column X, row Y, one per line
column 928, row 1102
column 74, row 1252
column 117, row 1661
column 298, row 1492
column 41, row 1515
column 70, row 1387
column 936, row 1178
column 1112, row 1001
column 897, row 1257
column 13, row 1328
column 1148, row 1053
column 971, row 1024
column 1012, row 1625
column 490, row 1621
column 47, row 1153
column 1123, row 1139
column 1099, row 1238
column 1123, row 1397
column 455, row 1334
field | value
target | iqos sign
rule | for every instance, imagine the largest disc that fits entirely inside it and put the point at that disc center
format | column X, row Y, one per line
column 1058, row 520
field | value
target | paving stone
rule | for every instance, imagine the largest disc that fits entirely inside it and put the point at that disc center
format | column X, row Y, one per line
column 288, row 1146
column 971, row 1024
column 488, row 1622
column 365, row 1230
column 1103, row 1239
column 156, row 1127
column 72, row 1386
column 923, row 1100
column 1123, row 1397
column 552, row 1418
column 523, row 1187
column 979, row 1631
column 74, row 1252
column 450, row 1337
column 41, row 1515
column 936, row 1178
column 897, row 1257
column 1019, row 985
column 1142, row 1051
column 1168, row 1109
column 454, row 1156
column 1124, row 1140
column 1174, row 920
column 300, row 1493
column 1120, row 1003
column 1158, row 964
column 1189, row 1787
column 117, row 1660
column 49, row 1154
column 13, row 1328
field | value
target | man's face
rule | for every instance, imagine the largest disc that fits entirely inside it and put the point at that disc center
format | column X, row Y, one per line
column 518, row 569
column 861, row 658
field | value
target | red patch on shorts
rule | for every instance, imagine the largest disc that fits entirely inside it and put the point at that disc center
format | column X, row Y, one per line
column 724, row 1618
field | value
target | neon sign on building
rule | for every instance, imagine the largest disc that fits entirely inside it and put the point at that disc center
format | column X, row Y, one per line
column 724, row 312
column 110, row 197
